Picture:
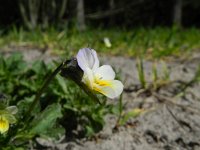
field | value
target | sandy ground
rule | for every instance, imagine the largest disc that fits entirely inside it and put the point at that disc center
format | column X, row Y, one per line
column 171, row 120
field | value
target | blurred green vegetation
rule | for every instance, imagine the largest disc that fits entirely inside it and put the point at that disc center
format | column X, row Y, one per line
column 153, row 42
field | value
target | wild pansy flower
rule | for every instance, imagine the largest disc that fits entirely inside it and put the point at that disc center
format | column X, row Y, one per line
column 7, row 117
column 98, row 78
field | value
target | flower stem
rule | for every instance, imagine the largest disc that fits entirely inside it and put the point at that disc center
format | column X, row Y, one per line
column 38, row 95
column 120, row 107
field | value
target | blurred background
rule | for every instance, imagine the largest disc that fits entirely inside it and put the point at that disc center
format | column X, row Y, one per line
column 99, row 13
column 86, row 22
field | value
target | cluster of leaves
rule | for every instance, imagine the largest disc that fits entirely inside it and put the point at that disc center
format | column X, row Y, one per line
column 63, row 107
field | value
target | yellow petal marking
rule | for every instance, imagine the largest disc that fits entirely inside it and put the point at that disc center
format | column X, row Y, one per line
column 99, row 82
column 4, row 124
column 103, row 83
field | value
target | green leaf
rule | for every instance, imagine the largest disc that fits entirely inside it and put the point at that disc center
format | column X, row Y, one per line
column 39, row 67
column 62, row 83
column 15, row 63
column 89, row 131
column 46, row 120
column 131, row 114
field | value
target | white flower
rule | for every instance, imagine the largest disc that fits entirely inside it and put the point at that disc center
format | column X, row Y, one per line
column 99, row 79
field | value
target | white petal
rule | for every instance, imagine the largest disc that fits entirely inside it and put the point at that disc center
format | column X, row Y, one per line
column 105, row 72
column 112, row 91
column 87, row 57
column 96, row 60
column 12, row 109
column 11, row 118
column 88, row 78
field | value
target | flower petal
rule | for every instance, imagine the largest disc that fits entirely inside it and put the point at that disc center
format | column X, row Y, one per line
column 88, row 78
column 11, row 118
column 112, row 90
column 87, row 57
column 4, row 125
column 105, row 72
column 12, row 109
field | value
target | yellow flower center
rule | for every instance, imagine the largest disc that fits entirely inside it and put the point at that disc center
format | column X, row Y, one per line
column 4, row 124
column 98, row 82
column 102, row 82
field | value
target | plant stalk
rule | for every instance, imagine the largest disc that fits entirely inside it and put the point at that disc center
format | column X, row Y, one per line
column 38, row 95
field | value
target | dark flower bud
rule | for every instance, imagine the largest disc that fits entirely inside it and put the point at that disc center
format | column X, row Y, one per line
column 72, row 70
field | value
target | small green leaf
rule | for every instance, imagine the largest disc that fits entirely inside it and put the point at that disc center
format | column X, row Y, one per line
column 62, row 83
column 89, row 131
column 39, row 67
column 46, row 120
column 131, row 114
